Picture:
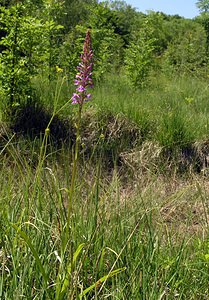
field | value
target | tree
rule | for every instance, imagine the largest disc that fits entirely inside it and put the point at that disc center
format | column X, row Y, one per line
column 106, row 44
column 122, row 18
column 74, row 12
column 203, row 5
column 27, row 44
column 139, row 55
column 187, row 50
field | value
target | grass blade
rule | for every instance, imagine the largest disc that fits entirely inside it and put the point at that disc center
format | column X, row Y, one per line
column 102, row 279
column 28, row 241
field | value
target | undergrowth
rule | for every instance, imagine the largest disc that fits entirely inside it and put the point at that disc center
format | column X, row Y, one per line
column 140, row 215
column 152, row 229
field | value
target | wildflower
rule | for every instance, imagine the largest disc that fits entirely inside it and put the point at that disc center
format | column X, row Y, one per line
column 83, row 79
column 59, row 70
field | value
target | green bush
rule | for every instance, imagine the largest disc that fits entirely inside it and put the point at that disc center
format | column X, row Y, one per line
column 187, row 50
column 139, row 56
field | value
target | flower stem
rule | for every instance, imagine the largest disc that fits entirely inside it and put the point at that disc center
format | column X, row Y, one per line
column 74, row 170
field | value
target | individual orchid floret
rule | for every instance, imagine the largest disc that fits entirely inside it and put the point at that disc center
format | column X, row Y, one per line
column 83, row 79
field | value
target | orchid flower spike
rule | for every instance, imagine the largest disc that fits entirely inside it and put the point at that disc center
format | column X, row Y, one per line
column 83, row 79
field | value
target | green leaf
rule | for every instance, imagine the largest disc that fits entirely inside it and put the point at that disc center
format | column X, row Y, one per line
column 28, row 241
column 102, row 279
column 69, row 269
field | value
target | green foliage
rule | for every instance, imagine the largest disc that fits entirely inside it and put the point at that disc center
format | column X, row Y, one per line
column 203, row 5
column 107, row 50
column 74, row 12
column 122, row 242
column 122, row 18
column 203, row 19
column 119, row 240
column 161, row 29
column 187, row 50
column 15, row 63
column 106, row 44
column 174, row 132
column 27, row 45
column 139, row 55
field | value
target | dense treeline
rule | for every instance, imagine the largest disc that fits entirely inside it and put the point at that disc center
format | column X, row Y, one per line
column 38, row 36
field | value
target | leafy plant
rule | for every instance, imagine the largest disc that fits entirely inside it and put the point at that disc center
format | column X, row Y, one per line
column 26, row 46
column 139, row 56
column 107, row 45
column 187, row 50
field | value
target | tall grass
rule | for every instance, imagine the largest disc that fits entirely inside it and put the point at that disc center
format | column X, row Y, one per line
column 167, row 107
column 133, row 237
column 149, row 235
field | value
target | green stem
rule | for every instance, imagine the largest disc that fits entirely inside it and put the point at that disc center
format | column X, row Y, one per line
column 74, row 170
column 69, row 225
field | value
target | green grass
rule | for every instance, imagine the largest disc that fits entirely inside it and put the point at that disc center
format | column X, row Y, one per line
column 172, row 110
column 175, row 107
column 149, row 231
column 136, row 233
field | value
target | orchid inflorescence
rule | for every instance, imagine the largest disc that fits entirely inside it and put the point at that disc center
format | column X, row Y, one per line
column 84, row 76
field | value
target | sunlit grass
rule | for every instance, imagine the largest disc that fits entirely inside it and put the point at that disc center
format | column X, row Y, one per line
column 168, row 106
column 182, row 101
column 140, row 230
column 154, row 228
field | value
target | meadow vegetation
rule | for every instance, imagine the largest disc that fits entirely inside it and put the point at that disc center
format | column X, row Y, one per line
column 133, row 221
